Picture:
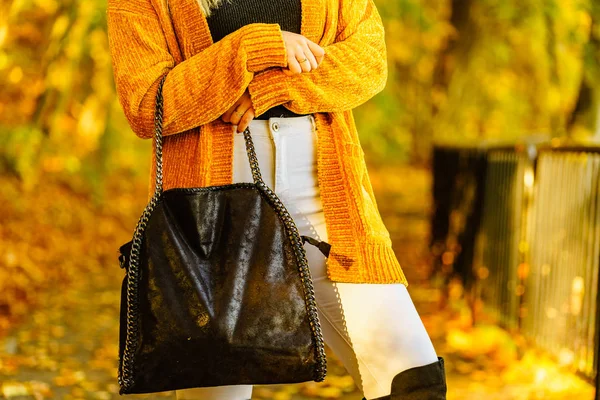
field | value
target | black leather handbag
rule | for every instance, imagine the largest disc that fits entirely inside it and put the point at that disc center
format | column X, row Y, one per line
column 217, row 289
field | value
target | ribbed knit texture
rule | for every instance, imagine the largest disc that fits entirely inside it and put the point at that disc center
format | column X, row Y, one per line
column 231, row 15
column 149, row 38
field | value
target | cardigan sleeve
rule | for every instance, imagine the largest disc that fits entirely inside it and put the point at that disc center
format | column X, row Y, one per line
column 196, row 91
column 353, row 70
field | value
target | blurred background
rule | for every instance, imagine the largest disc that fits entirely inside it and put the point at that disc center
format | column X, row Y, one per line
column 483, row 151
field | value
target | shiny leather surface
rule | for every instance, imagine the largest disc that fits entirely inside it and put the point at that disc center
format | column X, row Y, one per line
column 220, row 296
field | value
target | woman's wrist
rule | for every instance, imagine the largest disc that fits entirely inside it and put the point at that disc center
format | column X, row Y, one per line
column 268, row 89
column 264, row 46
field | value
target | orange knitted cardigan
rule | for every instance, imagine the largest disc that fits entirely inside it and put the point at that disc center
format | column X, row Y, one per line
column 149, row 38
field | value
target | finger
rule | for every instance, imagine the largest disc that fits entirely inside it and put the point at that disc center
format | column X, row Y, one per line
column 245, row 121
column 245, row 104
column 304, row 61
column 311, row 58
column 294, row 66
column 226, row 117
column 317, row 51
column 237, row 115
column 315, row 48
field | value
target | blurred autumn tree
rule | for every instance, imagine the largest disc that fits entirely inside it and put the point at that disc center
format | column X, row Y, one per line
column 458, row 70
column 59, row 113
column 485, row 69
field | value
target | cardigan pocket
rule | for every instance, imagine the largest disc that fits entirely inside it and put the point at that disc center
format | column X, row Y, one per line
column 362, row 192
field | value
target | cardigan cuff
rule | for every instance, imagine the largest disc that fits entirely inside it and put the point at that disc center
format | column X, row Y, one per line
column 268, row 89
column 264, row 46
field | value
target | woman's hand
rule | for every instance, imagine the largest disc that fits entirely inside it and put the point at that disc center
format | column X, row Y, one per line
column 300, row 48
column 241, row 113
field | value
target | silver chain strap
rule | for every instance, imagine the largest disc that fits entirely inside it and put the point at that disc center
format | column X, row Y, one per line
column 126, row 365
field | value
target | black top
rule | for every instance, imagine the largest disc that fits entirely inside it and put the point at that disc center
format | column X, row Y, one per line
column 231, row 15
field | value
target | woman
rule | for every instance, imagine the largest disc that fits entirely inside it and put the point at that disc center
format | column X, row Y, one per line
column 291, row 72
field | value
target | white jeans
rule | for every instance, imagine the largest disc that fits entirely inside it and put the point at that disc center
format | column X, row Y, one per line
column 374, row 329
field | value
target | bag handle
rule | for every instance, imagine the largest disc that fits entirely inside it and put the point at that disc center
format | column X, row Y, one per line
column 323, row 246
column 158, row 141
column 127, row 362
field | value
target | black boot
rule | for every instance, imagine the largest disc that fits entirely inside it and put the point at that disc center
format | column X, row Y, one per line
column 427, row 382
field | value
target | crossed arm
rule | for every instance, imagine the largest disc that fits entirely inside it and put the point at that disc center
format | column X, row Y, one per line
column 204, row 86
column 353, row 71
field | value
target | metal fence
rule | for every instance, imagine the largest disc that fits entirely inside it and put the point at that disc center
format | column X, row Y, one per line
column 498, row 262
column 535, row 240
column 561, row 299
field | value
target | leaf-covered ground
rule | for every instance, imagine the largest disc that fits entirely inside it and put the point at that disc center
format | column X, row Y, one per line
column 60, row 288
